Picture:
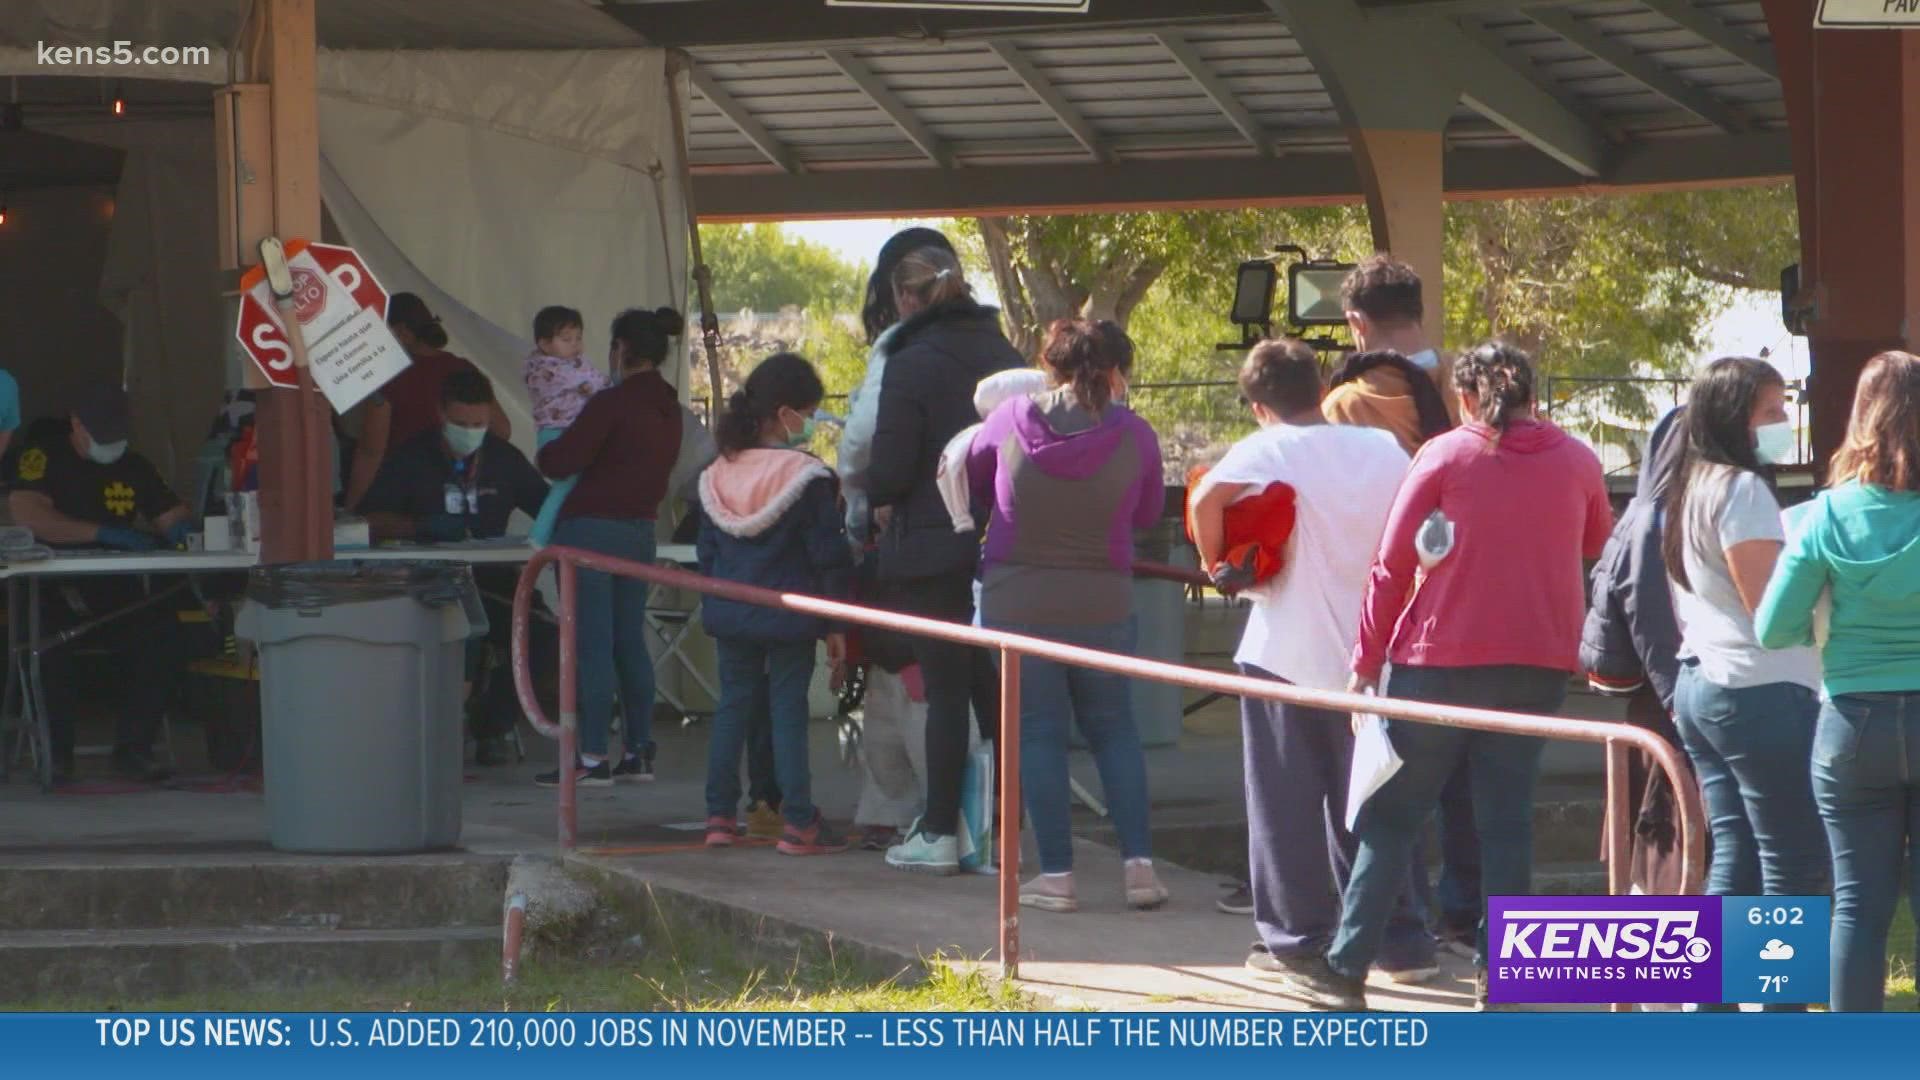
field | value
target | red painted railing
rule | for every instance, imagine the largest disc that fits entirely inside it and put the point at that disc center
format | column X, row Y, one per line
column 1618, row 739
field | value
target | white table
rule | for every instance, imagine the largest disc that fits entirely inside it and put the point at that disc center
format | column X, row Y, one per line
column 25, row 697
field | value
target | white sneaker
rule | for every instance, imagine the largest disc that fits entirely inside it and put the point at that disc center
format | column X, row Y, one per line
column 922, row 852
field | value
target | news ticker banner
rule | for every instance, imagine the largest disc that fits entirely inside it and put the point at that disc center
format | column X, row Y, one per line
column 1701, row 950
column 802, row 1046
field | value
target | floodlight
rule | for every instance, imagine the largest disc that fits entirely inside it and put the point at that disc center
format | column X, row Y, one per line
column 1313, row 293
column 1253, row 293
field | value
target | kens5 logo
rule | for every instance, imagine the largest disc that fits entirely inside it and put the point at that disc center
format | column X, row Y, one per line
column 1657, row 935
column 1579, row 949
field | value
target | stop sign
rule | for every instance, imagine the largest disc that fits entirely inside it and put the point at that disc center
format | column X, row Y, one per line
column 330, row 283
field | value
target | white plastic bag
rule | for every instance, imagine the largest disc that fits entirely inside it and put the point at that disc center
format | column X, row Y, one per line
column 1434, row 540
column 1374, row 763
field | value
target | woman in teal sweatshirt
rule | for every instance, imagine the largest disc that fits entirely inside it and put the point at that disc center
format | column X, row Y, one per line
column 1860, row 545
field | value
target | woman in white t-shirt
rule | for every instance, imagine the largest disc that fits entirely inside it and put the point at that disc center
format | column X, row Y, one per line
column 1745, row 713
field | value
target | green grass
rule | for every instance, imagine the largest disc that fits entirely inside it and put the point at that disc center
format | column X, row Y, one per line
column 1900, row 973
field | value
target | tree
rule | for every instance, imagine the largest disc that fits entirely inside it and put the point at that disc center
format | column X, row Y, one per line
column 760, row 268
column 1595, row 287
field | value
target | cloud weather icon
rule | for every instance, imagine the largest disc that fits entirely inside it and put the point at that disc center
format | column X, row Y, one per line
column 1777, row 950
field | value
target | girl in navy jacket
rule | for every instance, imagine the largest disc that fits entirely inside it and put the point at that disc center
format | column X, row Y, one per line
column 773, row 519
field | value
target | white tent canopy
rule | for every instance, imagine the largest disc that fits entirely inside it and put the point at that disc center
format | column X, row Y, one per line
column 491, row 181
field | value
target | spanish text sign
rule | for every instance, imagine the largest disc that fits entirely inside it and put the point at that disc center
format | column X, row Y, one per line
column 1868, row 15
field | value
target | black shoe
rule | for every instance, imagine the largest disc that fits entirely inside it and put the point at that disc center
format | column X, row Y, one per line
column 584, row 775
column 1239, row 901
column 491, row 751
column 139, row 768
column 635, row 767
column 63, row 771
column 1310, row 979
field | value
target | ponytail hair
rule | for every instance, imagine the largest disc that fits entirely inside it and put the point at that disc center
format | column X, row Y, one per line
column 405, row 309
column 931, row 275
column 1501, row 377
column 879, row 311
column 1428, row 405
column 782, row 381
column 645, row 335
column 1084, row 354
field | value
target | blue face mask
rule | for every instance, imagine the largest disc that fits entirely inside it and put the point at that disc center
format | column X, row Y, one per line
column 463, row 441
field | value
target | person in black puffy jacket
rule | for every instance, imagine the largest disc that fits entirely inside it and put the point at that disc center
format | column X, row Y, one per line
column 941, row 350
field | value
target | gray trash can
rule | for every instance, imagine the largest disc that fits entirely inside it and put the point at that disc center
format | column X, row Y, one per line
column 361, row 668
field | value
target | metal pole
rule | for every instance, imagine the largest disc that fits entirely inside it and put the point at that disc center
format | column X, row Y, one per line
column 569, row 701
column 42, row 723
column 1009, row 814
column 1619, row 828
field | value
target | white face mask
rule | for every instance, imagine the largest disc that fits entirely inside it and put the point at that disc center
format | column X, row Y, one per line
column 1774, row 443
column 464, row 441
column 107, row 453
column 1426, row 360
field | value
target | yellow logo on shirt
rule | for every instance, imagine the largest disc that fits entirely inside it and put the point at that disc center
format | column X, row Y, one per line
column 119, row 499
column 33, row 465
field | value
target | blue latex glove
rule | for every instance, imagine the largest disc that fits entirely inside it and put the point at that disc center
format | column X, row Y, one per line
column 124, row 539
column 177, row 536
column 444, row 528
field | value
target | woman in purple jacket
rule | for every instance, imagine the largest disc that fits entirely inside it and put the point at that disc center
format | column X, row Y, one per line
column 1071, row 474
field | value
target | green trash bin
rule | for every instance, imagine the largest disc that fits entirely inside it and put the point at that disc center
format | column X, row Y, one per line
column 361, row 669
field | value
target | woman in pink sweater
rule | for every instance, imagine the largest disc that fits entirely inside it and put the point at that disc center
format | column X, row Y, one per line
column 1494, row 624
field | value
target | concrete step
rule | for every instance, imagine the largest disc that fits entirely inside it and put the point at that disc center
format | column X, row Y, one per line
column 267, row 892
column 80, row 967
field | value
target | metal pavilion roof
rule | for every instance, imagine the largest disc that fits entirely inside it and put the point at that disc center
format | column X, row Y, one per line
column 805, row 110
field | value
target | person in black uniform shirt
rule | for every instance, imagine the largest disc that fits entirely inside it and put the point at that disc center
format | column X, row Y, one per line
column 458, row 482
column 81, row 488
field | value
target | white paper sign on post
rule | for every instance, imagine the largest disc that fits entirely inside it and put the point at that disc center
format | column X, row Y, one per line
column 358, row 357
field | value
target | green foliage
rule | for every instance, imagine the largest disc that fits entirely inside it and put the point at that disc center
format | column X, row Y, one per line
column 760, row 268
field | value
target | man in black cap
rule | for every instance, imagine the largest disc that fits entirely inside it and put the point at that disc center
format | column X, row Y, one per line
column 86, row 490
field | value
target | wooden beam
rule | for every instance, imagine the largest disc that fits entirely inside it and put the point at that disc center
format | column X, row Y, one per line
column 296, row 490
column 1216, row 89
column 811, row 23
column 737, row 115
column 1226, row 182
column 888, row 102
column 1640, row 69
column 1400, row 9
column 1070, row 117
column 1496, row 86
column 1727, row 39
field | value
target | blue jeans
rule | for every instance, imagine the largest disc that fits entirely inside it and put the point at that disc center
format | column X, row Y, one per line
column 1751, row 748
column 1504, row 768
column 1101, row 705
column 611, row 633
column 1866, row 778
column 752, row 675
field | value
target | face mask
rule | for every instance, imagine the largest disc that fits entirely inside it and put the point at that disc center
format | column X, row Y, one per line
column 464, row 441
column 107, row 453
column 1774, row 443
column 797, row 439
column 1426, row 360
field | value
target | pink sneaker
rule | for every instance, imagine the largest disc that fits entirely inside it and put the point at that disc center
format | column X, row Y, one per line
column 721, row 831
column 1049, row 893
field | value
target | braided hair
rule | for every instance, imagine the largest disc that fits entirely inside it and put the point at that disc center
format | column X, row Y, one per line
column 782, row 381
column 1500, row 376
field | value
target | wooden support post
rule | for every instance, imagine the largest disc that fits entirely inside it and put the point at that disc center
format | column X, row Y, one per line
column 1401, row 174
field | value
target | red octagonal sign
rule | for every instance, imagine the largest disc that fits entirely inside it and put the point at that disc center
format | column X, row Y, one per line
column 326, row 277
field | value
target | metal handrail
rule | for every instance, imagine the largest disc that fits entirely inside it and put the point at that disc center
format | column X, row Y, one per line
column 1618, row 739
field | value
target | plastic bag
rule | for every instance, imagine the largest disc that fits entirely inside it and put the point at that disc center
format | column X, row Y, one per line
column 976, row 812
column 1434, row 541
column 1374, row 763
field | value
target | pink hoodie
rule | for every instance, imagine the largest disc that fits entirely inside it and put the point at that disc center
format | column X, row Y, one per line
column 1527, row 506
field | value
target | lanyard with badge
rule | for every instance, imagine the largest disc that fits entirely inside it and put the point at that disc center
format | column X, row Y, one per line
column 462, row 493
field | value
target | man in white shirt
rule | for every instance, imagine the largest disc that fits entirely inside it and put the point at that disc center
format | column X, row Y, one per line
column 1303, row 623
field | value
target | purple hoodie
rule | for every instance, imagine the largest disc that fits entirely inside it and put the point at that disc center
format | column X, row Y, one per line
column 1068, row 489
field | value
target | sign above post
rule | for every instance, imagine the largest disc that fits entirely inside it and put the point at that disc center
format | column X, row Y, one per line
column 1868, row 15
column 341, row 310
column 1058, row 7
